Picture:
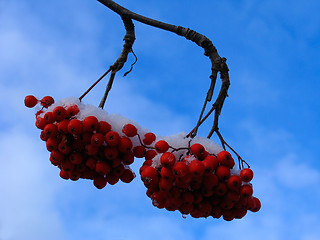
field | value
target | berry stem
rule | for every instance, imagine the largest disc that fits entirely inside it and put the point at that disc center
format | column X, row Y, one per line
column 218, row 63
column 108, row 88
column 224, row 144
column 93, row 85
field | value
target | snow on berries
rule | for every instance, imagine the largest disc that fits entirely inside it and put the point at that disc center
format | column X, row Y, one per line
column 194, row 176
column 197, row 177
column 86, row 142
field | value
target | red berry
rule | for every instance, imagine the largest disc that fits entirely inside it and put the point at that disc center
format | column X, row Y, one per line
column 246, row 174
column 221, row 189
column 167, row 159
column 210, row 181
column 210, row 163
column 104, row 127
column 148, row 162
column 180, row 169
column 119, row 170
column 159, row 199
column 52, row 144
column 240, row 213
column 172, row 204
column 196, row 182
column 59, row 113
column 76, row 158
column 232, row 196
column 111, row 153
column 50, row 130
column 186, row 208
column 64, row 174
column 97, row 139
column 103, row 168
column 47, row 101
column 205, row 208
column 57, row 156
column 63, row 126
column 90, row 123
column 85, row 137
column 99, row 182
column 128, row 158
column 197, row 197
column 149, row 138
column 228, row 214
column 112, row 138
column 91, row 149
column 242, row 203
column 198, row 150
column 246, row 190
column 64, row 148
column 115, row 162
column 74, row 175
column 216, row 212
column 196, row 168
column 166, row 173
column 67, row 165
column 187, row 197
column 130, row 130
column 30, row 101
column 112, row 179
column 223, row 172
column 41, row 123
column 91, row 163
column 139, row 151
column 125, row 145
column 150, row 154
column 161, row 146
column 72, row 110
column 43, row 136
column 256, row 205
column 225, row 159
column 127, row 176
column 165, row 184
column 49, row 117
column 149, row 176
column 234, row 183
column 75, row 126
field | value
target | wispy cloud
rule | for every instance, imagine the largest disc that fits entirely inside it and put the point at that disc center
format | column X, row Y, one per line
column 27, row 190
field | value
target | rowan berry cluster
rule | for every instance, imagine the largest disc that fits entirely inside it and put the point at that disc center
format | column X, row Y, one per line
column 192, row 175
column 85, row 147
column 198, row 183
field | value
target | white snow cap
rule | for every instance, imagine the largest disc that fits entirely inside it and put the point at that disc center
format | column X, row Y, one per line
column 181, row 141
column 115, row 120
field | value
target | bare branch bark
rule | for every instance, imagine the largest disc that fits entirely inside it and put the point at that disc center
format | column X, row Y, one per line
column 218, row 63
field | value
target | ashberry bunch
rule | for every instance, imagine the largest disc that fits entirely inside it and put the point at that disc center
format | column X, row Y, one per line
column 198, row 180
column 86, row 142
column 192, row 175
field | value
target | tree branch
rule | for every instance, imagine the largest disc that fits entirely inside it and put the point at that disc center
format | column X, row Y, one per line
column 218, row 63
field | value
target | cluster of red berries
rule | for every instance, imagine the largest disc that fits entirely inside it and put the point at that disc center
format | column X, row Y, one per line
column 198, row 183
column 192, row 179
column 87, row 148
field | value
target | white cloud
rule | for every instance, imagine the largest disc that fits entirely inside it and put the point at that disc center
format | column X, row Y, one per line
column 27, row 190
column 292, row 172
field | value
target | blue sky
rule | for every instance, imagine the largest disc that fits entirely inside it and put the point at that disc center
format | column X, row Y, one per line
column 271, row 117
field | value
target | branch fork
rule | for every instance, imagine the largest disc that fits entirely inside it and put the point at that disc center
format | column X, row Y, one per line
column 218, row 64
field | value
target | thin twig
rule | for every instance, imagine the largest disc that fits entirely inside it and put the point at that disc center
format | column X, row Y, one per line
column 218, row 63
column 108, row 88
column 135, row 61
column 224, row 144
column 92, row 86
